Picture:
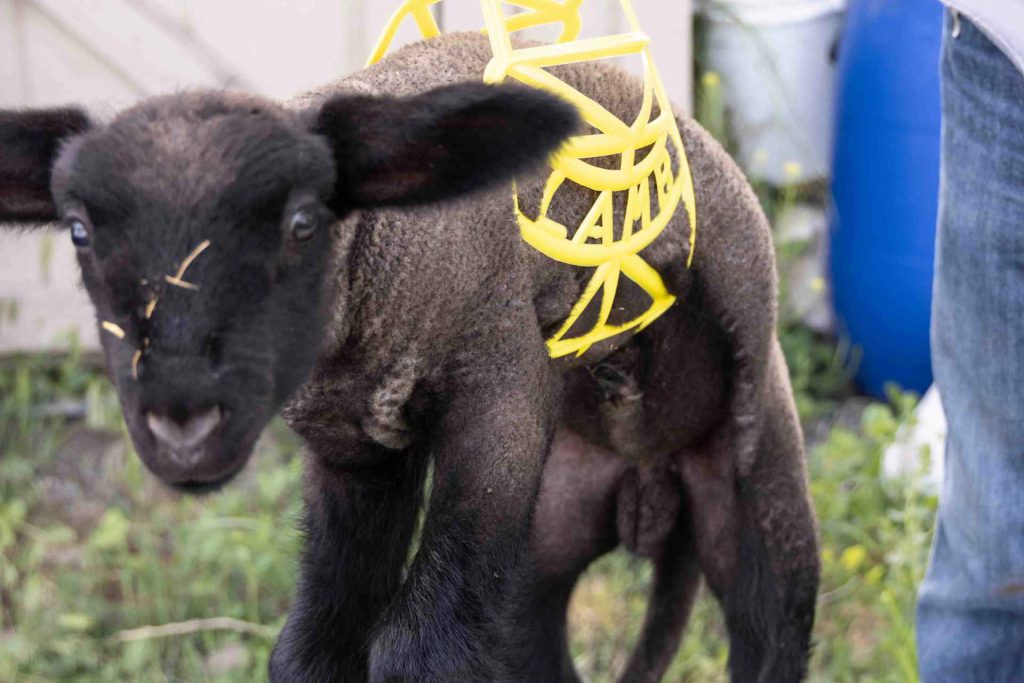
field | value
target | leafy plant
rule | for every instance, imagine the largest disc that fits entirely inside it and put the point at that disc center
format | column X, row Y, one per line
column 105, row 598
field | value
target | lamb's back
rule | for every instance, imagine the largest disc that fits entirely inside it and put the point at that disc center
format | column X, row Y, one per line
column 734, row 256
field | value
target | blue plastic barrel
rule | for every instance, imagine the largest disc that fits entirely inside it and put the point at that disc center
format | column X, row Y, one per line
column 885, row 188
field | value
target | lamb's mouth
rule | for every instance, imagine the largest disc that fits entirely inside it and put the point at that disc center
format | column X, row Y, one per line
column 198, row 488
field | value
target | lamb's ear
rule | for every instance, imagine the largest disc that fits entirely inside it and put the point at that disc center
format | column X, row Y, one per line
column 441, row 144
column 29, row 143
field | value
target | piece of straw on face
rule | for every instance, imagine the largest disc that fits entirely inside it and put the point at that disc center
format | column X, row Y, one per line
column 113, row 329
column 136, row 357
column 176, row 279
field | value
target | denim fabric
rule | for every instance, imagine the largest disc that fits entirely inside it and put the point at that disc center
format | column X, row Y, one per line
column 1001, row 20
column 970, row 614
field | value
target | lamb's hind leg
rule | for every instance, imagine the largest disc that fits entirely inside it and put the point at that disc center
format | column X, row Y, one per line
column 756, row 543
column 590, row 501
column 573, row 525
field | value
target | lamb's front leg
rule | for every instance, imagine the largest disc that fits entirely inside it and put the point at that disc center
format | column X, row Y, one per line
column 449, row 622
column 358, row 524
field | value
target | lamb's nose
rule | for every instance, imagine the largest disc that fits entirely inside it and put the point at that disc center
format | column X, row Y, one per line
column 184, row 438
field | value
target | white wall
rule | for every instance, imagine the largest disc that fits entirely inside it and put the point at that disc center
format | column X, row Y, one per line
column 106, row 54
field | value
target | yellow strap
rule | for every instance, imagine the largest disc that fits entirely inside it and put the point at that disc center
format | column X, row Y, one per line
column 595, row 243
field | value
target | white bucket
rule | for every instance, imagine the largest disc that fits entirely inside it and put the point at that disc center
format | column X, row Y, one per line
column 776, row 59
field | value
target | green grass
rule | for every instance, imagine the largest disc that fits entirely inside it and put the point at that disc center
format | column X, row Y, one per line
column 75, row 574
column 875, row 537
column 91, row 546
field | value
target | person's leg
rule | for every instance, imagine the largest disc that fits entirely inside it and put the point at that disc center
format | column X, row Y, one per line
column 970, row 615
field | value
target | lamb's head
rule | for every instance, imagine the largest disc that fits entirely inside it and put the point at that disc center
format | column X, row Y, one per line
column 204, row 225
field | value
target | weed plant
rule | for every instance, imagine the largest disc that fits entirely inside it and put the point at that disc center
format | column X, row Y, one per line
column 83, row 574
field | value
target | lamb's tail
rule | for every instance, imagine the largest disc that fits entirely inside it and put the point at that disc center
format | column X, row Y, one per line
column 675, row 585
column 676, row 579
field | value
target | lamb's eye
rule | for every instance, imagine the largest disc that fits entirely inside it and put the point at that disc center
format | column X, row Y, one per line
column 79, row 233
column 304, row 224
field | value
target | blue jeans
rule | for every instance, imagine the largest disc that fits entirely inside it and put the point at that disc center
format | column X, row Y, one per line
column 970, row 613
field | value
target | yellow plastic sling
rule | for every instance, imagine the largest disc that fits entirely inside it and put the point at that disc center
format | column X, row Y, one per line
column 593, row 243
